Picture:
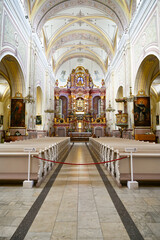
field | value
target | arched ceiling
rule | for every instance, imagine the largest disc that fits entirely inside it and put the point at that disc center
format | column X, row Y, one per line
column 80, row 29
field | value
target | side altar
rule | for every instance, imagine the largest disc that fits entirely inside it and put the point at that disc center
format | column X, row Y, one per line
column 80, row 106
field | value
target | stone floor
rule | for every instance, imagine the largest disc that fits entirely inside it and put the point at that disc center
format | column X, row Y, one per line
column 79, row 207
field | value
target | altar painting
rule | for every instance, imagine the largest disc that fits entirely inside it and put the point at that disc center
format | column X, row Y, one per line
column 17, row 113
column 142, row 111
column 38, row 119
column 1, row 119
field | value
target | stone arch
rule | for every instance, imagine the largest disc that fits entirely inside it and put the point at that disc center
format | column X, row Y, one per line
column 12, row 82
column 148, row 72
column 13, row 71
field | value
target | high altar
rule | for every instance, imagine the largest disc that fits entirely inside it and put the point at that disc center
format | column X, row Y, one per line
column 80, row 106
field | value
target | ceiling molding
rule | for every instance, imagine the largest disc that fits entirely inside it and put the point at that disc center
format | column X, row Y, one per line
column 82, row 47
column 77, row 55
column 43, row 11
column 80, row 19
column 108, row 47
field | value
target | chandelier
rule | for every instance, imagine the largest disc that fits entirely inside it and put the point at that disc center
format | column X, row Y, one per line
column 110, row 109
column 29, row 98
column 49, row 110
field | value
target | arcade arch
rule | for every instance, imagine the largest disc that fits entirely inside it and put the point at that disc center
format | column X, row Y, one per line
column 148, row 82
column 12, row 72
column 11, row 82
column 4, row 103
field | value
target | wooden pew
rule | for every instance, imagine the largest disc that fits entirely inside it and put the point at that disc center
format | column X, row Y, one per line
column 14, row 161
column 146, row 161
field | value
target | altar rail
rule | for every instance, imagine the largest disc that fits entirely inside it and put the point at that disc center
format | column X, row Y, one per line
column 14, row 161
column 146, row 161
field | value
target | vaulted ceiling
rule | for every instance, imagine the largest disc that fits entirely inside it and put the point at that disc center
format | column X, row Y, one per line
column 80, row 32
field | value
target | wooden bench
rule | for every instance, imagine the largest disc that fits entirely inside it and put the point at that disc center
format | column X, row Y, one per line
column 146, row 161
column 14, row 161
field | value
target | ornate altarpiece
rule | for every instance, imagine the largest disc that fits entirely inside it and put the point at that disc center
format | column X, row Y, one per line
column 80, row 106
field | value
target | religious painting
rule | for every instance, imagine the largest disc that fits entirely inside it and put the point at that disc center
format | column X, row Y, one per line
column 80, row 81
column 80, row 104
column 17, row 113
column 38, row 120
column 142, row 111
column 1, row 119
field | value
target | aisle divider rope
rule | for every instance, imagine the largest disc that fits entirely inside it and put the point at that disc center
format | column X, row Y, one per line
column 67, row 163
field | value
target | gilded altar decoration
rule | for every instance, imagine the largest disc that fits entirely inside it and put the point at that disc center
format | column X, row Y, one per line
column 121, row 119
column 103, row 83
column 56, row 83
column 141, row 93
column 80, row 81
column 80, row 104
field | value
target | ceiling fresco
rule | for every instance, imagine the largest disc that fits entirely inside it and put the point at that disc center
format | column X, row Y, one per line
column 80, row 32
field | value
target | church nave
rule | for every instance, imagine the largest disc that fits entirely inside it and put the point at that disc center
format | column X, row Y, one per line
column 79, row 206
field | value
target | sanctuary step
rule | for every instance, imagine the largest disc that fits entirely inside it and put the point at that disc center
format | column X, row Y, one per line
column 80, row 136
column 79, row 139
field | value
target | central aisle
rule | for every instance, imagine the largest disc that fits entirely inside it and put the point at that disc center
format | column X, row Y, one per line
column 78, row 205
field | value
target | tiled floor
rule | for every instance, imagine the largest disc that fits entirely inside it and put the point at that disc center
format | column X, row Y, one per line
column 78, row 206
